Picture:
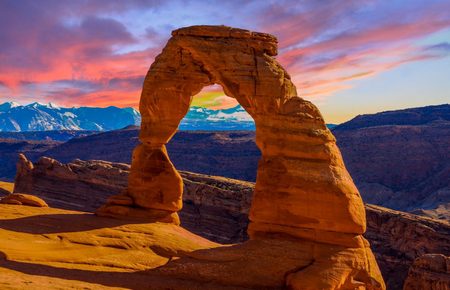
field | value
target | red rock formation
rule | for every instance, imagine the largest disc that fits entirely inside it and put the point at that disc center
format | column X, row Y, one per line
column 303, row 189
column 429, row 272
column 214, row 207
column 201, row 56
column 397, row 238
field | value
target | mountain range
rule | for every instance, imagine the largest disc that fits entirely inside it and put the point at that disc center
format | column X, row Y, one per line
column 44, row 117
column 202, row 119
column 50, row 117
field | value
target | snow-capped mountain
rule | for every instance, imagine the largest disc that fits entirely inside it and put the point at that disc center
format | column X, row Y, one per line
column 199, row 118
column 45, row 117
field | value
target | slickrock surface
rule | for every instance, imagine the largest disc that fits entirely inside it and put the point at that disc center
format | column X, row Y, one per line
column 69, row 249
column 217, row 208
column 429, row 272
column 23, row 199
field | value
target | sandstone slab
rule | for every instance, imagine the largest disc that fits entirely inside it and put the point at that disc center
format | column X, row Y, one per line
column 74, row 249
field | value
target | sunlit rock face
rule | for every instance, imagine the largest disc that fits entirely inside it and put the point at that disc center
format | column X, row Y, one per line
column 303, row 189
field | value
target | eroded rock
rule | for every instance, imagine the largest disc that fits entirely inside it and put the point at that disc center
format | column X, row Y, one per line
column 303, row 189
column 23, row 199
column 430, row 271
column 301, row 169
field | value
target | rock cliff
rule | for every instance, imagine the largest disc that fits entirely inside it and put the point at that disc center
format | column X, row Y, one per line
column 214, row 207
column 429, row 272
column 397, row 238
column 217, row 208
column 400, row 160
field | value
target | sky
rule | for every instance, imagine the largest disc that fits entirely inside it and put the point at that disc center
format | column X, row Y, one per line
column 347, row 57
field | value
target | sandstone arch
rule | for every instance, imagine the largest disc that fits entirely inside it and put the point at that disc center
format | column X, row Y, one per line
column 302, row 187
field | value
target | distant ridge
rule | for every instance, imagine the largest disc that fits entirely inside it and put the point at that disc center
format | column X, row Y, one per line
column 411, row 116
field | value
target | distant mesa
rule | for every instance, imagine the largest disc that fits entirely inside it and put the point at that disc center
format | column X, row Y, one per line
column 400, row 159
column 405, row 117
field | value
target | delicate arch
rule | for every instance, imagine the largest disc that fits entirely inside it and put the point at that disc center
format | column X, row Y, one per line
column 302, row 187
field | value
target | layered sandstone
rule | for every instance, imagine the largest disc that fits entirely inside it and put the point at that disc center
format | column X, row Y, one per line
column 398, row 238
column 214, row 207
column 78, row 185
column 429, row 272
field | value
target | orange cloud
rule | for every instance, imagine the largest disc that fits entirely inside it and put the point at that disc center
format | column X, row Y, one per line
column 78, row 55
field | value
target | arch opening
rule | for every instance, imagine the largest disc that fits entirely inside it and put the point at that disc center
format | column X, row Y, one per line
column 212, row 110
column 221, row 141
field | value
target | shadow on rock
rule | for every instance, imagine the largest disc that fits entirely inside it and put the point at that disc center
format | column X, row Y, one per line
column 51, row 223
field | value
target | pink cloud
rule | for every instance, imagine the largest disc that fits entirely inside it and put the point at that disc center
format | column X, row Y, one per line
column 73, row 53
